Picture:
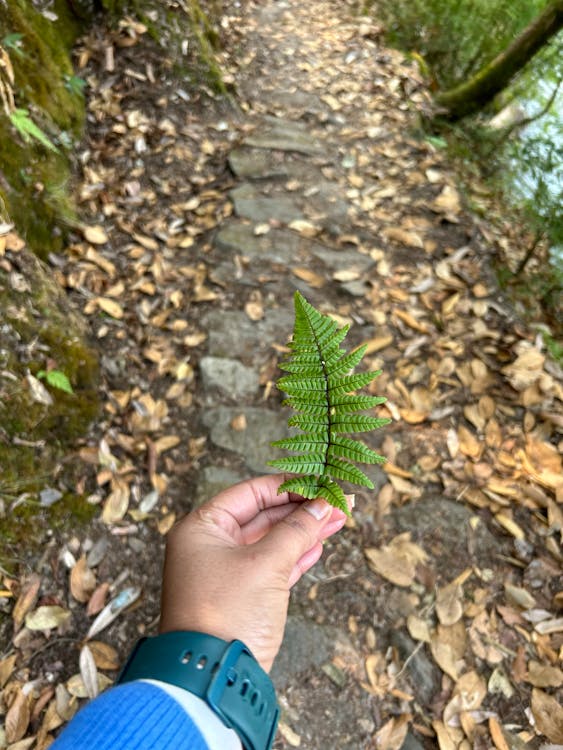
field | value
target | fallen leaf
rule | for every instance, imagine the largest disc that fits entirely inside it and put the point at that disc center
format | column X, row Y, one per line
column 116, row 503
column 449, row 607
column 165, row 523
column 548, row 715
column 88, row 671
column 239, row 423
column 18, row 717
column 110, row 306
column 403, row 237
column 309, row 277
column 397, row 561
column 26, row 600
column 95, row 234
column 497, row 735
column 46, row 617
column 105, row 656
column 82, row 581
column 544, row 675
column 305, row 228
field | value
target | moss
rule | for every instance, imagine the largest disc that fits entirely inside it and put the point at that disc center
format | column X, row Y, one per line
column 31, row 175
column 40, row 328
column 26, row 525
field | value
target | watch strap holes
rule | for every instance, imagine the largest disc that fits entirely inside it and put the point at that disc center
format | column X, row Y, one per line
column 186, row 657
column 244, row 687
column 201, row 662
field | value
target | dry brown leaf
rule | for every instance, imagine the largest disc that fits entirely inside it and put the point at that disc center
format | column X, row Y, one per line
column 449, row 607
column 449, row 738
column 392, row 734
column 411, row 321
column 17, row 718
column 98, row 600
column 397, row 561
column 411, row 416
column 110, row 306
column 468, row 695
column 95, row 234
column 377, row 344
column 469, row 445
column 7, row 666
column 403, row 237
column 418, row 629
column 309, row 277
column 544, row 675
column 304, row 228
column 82, row 581
column 26, row 600
column 254, row 310
column 497, row 735
column 525, row 370
column 239, row 423
column 448, row 644
column 548, row 715
column 105, row 656
column 448, row 202
column 291, row 737
column 117, row 502
column 165, row 443
column 165, row 523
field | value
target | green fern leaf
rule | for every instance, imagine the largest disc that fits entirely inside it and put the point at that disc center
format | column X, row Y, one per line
column 321, row 389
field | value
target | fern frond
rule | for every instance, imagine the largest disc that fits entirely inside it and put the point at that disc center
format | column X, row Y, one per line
column 321, row 388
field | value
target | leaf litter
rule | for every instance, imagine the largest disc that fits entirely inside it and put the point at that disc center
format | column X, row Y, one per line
column 474, row 398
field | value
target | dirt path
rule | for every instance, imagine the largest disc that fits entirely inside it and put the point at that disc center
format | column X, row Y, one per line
column 435, row 613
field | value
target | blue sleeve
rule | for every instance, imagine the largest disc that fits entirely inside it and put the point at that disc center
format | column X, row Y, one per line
column 133, row 716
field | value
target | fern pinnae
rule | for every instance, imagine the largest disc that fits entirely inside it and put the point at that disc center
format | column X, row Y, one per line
column 320, row 388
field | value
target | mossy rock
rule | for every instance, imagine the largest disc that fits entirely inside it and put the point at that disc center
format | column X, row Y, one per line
column 30, row 173
column 39, row 331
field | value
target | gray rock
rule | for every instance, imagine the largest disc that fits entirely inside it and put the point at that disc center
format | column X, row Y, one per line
column 255, row 164
column 250, row 204
column 278, row 246
column 411, row 743
column 253, row 443
column 215, row 479
column 234, row 334
column 229, row 376
column 306, row 646
column 425, row 675
column 443, row 526
column 286, row 135
column 340, row 259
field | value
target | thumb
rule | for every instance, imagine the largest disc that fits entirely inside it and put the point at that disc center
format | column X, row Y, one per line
column 293, row 536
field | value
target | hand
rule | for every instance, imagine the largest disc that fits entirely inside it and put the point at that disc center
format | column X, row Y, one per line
column 231, row 563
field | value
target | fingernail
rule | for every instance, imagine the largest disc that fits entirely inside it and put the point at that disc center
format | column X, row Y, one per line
column 351, row 500
column 318, row 508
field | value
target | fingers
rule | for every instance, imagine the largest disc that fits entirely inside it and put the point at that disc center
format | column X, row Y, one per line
column 245, row 500
column 297, row 533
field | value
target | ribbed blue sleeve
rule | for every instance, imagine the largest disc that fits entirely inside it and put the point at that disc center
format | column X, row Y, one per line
column 133, row 716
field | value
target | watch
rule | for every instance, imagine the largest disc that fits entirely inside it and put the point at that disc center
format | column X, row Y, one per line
column 224, row 674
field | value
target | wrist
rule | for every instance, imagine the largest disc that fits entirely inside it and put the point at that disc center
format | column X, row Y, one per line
column 225, row 675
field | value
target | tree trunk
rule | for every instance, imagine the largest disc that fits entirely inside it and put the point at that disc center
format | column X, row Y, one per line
column 474, row 94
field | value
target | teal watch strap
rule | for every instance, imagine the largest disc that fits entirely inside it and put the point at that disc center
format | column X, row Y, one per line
column 225, row 675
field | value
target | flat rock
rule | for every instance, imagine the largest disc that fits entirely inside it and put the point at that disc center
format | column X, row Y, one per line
column 250, row 204
column 252, row 443
column 233, row 334
column 228, row 376
column 256, row 164
column 306, row 646
column 443, row 527
column 425, row 675
column 277, row 246
column 286, row 135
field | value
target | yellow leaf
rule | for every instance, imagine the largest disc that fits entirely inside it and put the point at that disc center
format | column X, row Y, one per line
column 110, row 306
column 96, row 235
column 548, row 714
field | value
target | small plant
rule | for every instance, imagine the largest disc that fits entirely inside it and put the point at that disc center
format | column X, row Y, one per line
column 28, row 130
column 321, row 390
column 75, row 84
column 56, row 379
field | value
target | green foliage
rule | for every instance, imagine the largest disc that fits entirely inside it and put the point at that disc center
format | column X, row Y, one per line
column 75, row 85
column 320, row 389
column 13, row 43
column 456, row 38
column 28, row 130
column 56, row 379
